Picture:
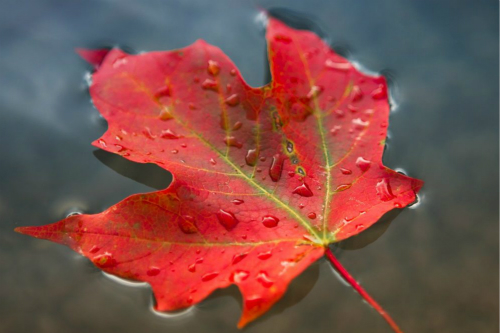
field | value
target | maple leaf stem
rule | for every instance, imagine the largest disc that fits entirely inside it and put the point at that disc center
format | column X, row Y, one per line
column 345, row 274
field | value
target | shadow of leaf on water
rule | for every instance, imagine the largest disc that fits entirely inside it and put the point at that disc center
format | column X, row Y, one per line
column 145, row 173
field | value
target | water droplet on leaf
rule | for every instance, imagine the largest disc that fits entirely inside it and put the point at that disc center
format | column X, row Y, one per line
column 342, row 187
column 237, row 125
column 264, row 279
column 270, row 221
column 335, row 130
column 187, row 224
column 169, row 134
column 213, row 67
column 153, row 271
column 264, row 255
column 276, row 168
column 356, row 94
column 210, row 84
column 345, row 171
column 237, row 201
column 227, row 219
column 384, row 190
column 379, row 93
column 162, row 92
column 209, row 276
column 360, row 227
column 104, row 260
column 251, row 157
column 303, row 190
column 359, row 123
column 239, row 276
column 341, row 66
column 363, row 164
column 238, row 257
column 165, row 114
column 233, row 100
column 233, row 142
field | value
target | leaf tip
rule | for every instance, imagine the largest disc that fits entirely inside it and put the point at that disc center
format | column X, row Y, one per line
column 29, row 231
column 93, row 57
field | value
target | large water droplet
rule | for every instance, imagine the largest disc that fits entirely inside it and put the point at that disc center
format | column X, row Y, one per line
column 238, row 257
column 341, row 66
column 303, row 190
column 384, row 190
column 209, row 84
column 165, row 114
column 309, row 238
column 187, row 224
column 356, row 94
column 239, row 276
column 102, row 143
column 94, row 249
column 192, row 268
column 343, row 187
column 153, row 271
column 264, row 279
column 227, row 219
column 251, row 157
column 162, row 92
column 209, row 276
column 253, row 302
column 311, row 215
column 264, row 255
column 120, row 148
column 363, row 164
column 359, row 123
column 270, row 221
column 380, row 92
column 104, row 260
column 148, row 134
column 345, row 171
column 360, row 227
column 276, row 167
column 169, row 134
column 213, row 67
column 233, row 100
column 237, row 201
column 335, row 130
column 237, row 125
column 233, row 142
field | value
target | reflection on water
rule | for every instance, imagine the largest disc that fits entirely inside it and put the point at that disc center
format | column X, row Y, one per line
column 441, row 62
column 125, row 282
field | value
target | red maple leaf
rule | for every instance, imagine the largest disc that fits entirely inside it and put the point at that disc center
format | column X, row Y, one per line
column 264, row 178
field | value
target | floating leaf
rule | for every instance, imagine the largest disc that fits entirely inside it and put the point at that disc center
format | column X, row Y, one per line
column 264, row 178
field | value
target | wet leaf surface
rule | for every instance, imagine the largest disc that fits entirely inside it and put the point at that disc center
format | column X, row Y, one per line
column 264, row 179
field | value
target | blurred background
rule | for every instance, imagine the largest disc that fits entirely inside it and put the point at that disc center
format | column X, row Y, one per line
column 435, row 269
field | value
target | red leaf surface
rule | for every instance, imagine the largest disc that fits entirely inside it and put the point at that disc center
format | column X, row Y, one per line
column 264, row 178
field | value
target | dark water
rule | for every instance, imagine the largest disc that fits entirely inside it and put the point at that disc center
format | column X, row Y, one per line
column 436, row 267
